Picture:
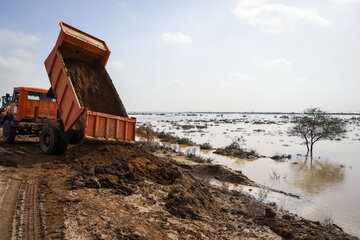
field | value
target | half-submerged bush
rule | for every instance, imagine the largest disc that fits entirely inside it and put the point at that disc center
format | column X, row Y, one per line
column 280, row 157
column 185, row 141
column 234, row 150
column 167, row 137
column 205, row 146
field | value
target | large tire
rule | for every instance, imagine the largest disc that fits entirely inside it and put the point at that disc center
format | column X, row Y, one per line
column 49, row 140
column 9, row 132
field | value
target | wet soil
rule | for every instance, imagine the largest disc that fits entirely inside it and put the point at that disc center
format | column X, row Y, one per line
column 94, row 87
column 121, row 191
column 222, row 173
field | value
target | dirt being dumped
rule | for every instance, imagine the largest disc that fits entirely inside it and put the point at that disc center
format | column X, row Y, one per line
column 94, row 87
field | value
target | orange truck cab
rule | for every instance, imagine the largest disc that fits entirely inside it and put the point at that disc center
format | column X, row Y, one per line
column 27, row 112
column 26, row 99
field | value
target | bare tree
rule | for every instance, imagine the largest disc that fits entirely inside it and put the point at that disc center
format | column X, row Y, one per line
column 317, row 125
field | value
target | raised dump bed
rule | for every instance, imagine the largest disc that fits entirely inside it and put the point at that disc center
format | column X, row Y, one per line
column 87, row 99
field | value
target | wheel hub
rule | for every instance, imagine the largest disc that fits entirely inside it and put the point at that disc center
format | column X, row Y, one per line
column 46, row 140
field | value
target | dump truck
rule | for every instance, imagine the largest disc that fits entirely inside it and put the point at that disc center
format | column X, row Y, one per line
column 88, row 106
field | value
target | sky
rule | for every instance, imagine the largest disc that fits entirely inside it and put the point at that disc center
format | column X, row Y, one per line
column 204, row 55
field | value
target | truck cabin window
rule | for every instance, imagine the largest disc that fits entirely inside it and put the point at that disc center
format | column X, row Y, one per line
column 34, row 96
column 16, row 97
column 48, row 99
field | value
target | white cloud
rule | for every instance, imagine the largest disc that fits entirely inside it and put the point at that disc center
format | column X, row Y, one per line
column 21, row 53
column 176, row 38
column 242, row 77
column 225, row 85
column 276, row 17
column 116, row 65
column 300, row 79
column 345, row 2
column 12, row 64
column 178, row 83
column 11, row 38
column 279, row 62
column 17, row 71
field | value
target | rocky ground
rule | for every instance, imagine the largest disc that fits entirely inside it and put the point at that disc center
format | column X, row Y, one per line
column 121, row 191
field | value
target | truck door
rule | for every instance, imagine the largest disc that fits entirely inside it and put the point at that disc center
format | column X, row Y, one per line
column 14, row 106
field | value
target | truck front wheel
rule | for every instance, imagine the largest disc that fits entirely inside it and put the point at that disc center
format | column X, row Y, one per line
column 49, row 140
column 9, row 132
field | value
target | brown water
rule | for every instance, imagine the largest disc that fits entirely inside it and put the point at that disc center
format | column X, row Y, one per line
column 328, row 185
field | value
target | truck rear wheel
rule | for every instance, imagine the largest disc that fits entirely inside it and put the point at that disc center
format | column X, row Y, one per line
column 9, row 132
column 49, row 140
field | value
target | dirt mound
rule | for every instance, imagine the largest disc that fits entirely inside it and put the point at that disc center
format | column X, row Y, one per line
column 221, row 173
column 125, row 162
column 122, row 167
column 290, row 227
column 94, row 87
column 189, row 201
column 127, row 233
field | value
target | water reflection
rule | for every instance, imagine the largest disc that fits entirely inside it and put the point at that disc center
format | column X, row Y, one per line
column 314, row 176
column 240, row 163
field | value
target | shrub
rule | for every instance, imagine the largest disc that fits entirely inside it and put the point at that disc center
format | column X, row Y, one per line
column 185, row 141
column 150, row 146
column 166, row 137
column 205, row 146
column 146, row 131
column 233, row 145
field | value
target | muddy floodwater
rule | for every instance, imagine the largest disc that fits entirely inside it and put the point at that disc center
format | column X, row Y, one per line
column 328, row 185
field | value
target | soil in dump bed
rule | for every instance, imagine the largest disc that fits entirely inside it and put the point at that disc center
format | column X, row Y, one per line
column 94, row 87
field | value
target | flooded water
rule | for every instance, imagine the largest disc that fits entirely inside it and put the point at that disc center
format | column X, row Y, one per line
column 328, row 185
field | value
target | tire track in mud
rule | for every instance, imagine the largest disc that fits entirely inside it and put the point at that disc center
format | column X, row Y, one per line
column 20, row 210
column 31, row 217
column 8, row 199
column 28, row 220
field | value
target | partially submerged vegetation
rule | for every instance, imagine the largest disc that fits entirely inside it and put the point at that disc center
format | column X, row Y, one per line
column 146, row 132
column 281, row 157
column 205, row 146
column 234, row 150
column 191, row 155
column 317, row 125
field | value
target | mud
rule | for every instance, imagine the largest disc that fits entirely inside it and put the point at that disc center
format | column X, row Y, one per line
column 222, row 173
column 94, row 87
column 128, row 162
column 121, row 191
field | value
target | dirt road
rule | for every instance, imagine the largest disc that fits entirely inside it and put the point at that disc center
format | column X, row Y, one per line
column 19, row 192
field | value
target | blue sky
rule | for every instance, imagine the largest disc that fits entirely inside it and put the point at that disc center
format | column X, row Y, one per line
column 229, row 55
